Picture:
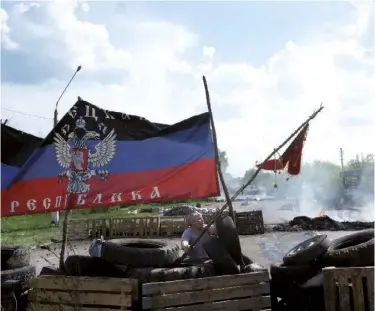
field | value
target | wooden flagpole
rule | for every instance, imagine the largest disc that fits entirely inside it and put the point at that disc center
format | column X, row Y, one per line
column 217, row 159
column 250, row 181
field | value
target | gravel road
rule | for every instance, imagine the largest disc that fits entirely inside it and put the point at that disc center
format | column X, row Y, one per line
column 264, row 249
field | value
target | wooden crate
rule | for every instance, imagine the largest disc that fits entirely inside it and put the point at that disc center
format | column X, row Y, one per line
column 127, row 227
column 78, row 230
column 98, row 227
column 172, row 226
column 349, row 289
column 151, row 227
column 64, row 293
column 250, row 222
column 249, row 291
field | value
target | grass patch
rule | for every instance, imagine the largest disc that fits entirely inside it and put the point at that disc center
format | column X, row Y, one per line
column 37, row 229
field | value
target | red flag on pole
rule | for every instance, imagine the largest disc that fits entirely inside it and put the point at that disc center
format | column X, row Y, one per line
column 291, row 157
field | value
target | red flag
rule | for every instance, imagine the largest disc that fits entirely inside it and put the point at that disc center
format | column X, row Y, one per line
column 291, row 157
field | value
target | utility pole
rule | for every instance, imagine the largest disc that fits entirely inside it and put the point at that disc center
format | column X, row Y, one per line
column 55, row 215
column 342, row 158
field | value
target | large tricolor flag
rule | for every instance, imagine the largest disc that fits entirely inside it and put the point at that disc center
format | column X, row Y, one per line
column 95, row 157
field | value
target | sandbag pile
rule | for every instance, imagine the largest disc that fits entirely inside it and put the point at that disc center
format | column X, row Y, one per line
column 301, row 223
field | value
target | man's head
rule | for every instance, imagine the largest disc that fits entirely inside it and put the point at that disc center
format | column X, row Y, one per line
column 195, row 220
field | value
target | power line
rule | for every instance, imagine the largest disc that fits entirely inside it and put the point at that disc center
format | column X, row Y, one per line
column 26, row 114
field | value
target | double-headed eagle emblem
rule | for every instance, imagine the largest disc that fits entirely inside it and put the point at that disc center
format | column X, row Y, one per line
column 76, row 157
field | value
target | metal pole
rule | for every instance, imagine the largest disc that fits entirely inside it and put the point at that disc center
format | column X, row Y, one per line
column 67, row 212
column 214, row 138
column 55, row 215
column 249, row 182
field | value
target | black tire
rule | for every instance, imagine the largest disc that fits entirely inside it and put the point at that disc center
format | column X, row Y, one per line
column 228, row 235
column 51, row 271
column 14, row 256
column 284, row 279
column 10, row 288
column 92, row 266
column 223, row 261
column 23, row 274
column 308, row 251
column 9, row 303
column 147, row 275
column 246, row 260
column 293, row 274
column 140, row 253
column 355, row 249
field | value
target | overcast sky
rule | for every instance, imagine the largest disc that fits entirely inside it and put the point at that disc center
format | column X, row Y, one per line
column 268, row 66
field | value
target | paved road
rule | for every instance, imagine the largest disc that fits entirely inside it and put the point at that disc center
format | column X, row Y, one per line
column 264, row 249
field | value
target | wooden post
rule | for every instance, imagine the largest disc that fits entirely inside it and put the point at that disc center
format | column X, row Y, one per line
column 249, row 181
column 217, row 159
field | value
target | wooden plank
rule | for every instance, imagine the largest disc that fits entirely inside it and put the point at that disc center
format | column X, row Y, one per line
column 98, row 284
column 185, row 298
column 344, row 297
column 329, row 285
column 370, row 286
column 358, row 297
column 228, row 305
column 80, row 298
column 46, row 307
column 206, row 283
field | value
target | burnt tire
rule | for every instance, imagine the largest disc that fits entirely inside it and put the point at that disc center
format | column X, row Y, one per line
column 23, row 274
column 355, row 249
column 14, row 256
column 140, row 253
column 223, row 261
column 92, row 266
column 228, row 235
column 307, row 252
column 283, row 278
column 147, row 275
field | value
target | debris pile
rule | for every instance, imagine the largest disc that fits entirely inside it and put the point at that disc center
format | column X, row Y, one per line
column 301, row 223
column 184, row 210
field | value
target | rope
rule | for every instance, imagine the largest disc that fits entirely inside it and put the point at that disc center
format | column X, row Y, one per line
column 26, row 114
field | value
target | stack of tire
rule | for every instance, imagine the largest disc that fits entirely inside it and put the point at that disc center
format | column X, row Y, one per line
column 296, row 284
column 150, row 260
column 16, row 271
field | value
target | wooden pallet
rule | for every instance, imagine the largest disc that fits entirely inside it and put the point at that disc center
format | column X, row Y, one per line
column 78, row 230
column 172, row 226
column 249, row 291
column 64, row 293
column 249, row 223
column 349, row 289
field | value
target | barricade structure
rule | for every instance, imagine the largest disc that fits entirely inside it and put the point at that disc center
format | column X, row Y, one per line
column 248, row 223
column 250, row 291
column 69, row 293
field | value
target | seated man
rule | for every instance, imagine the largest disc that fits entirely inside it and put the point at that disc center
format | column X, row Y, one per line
column 196, row 226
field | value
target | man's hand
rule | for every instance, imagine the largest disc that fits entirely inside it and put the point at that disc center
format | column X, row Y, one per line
column 185, row 245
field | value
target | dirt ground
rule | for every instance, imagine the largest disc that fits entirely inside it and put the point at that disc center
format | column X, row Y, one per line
column 265, row 249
